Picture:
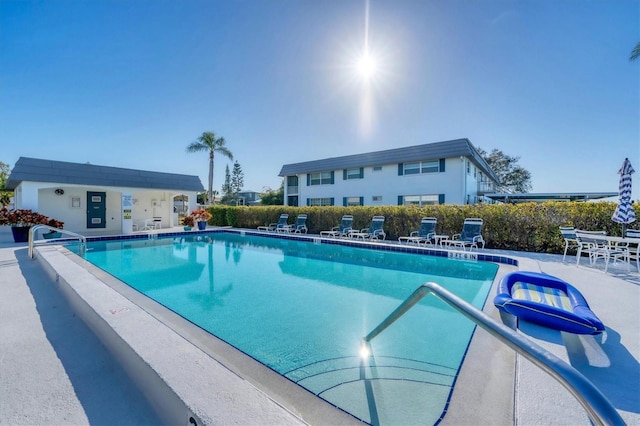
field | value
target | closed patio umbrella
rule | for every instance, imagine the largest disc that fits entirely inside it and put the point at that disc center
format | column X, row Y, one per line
column 624, row 213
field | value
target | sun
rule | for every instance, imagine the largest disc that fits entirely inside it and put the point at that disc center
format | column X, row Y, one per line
column 366, row 66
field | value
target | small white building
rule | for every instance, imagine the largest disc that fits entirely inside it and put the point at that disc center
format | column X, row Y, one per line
column 101, row 200
column 451, row 172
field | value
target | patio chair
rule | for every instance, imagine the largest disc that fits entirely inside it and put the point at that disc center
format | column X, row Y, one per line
column 470, row 235
column 374, row 231
column 633, row 246
column 569, row 235
column 341, row 230
column 424, row 234
column 298, row 228
column 272, row 227
column 596, row 245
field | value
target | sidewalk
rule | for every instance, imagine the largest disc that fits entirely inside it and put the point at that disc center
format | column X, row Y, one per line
column 53, row 370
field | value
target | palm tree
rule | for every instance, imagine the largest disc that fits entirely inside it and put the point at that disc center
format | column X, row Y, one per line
column 635, row 53
column 209, row 142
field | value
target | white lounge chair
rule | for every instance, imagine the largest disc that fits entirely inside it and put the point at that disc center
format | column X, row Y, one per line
column 424, row 235
column 470, row 236
column 374, row 231
column 299, row 227
column 341, row 230
column 272, row 227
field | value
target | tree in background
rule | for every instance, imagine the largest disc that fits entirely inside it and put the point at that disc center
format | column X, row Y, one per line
column 201, row 198
column 513, row 178
column 227, row 192
column 209, row 142
column 270, row 197
column 5, row 196
column 237, row 181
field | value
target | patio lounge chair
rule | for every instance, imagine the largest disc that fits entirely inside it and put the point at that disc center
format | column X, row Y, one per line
column 275, row 226
column 424, row 234
column 470, row 236
column 299, row 227
column 569, row 235
column 341, row 230
column 373, row 231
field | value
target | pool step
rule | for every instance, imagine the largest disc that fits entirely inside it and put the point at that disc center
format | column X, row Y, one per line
column 378, row 387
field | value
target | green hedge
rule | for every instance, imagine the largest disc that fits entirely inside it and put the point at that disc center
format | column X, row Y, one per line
column 526, row 227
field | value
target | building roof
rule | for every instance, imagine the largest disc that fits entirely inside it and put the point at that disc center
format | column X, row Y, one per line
column 550, row 196
column 430, row 151
column 62, row 172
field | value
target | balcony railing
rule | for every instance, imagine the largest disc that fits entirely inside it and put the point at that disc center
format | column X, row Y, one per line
column 485, row 187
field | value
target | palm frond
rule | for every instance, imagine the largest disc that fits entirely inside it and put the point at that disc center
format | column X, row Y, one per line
column 635, row 53
column 196, row 147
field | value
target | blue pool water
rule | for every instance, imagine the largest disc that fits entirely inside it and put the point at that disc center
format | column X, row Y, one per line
column 302, row 309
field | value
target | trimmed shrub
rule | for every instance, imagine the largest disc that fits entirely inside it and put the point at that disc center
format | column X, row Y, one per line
column 524, row 227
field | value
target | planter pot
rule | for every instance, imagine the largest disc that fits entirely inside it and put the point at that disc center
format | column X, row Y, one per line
column 202, row 225
column 187, row 228
column 50, row 235
column 20, row 233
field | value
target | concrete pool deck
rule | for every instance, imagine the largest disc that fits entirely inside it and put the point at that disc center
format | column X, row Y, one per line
column 47, row 377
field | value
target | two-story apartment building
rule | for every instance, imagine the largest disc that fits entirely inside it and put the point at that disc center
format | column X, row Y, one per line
column 451, row 172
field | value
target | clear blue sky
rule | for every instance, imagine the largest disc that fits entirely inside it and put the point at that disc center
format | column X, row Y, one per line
column 132, row 83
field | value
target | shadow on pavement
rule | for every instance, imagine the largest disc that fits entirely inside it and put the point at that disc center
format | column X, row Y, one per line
column 105, row 392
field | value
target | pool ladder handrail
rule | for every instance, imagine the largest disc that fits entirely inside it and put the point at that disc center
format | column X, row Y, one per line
column 32, row 233
column 598, row 407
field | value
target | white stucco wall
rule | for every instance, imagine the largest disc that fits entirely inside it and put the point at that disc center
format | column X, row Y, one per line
column 455, row 183
column 147, row 204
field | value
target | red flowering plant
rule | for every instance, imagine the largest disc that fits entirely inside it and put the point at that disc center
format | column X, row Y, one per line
column 201, row 215
column 188, row 221
column 25, row 217
column 55, row 223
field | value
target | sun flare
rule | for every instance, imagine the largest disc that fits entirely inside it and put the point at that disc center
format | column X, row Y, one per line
column 366, row 66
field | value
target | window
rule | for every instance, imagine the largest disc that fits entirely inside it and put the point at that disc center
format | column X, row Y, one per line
column 292, row 184
column 320, row 201
column 376, row 198
column 411, row 168
column 352, row 201
column 322, row 178
column 377, row 169
column 431, row 166
column 422, row 200
column 357, row 173
column 468, row 167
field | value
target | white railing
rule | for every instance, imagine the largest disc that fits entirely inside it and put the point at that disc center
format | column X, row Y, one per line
column 598, row 407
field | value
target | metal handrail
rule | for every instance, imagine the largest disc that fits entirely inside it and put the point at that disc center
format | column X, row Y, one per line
column 598, row 407
column 32, row 231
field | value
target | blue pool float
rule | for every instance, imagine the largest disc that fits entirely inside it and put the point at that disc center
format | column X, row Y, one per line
column 546, row 300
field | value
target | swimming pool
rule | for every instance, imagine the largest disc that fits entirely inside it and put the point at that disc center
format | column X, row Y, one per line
column 301, row 309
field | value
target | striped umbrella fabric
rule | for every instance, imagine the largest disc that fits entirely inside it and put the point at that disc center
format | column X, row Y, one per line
column 624, row 211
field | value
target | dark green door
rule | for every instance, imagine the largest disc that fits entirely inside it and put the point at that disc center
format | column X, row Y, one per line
column 96, row 209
